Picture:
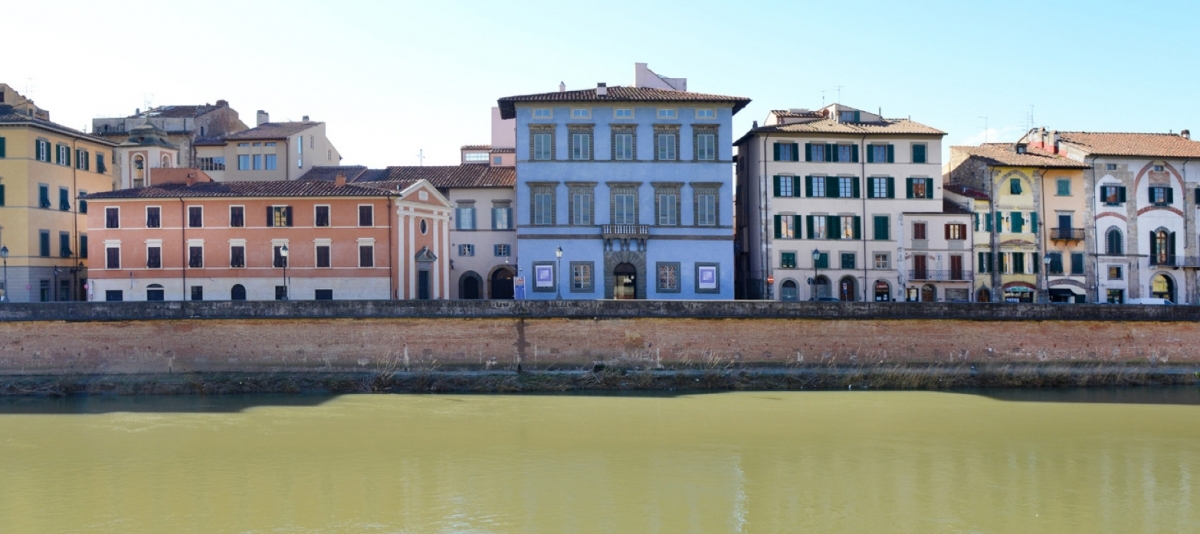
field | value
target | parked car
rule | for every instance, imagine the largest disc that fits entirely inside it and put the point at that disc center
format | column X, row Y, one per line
column 1150, row 301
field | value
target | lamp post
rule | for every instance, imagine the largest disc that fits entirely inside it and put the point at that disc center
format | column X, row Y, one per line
column 1046, row 277
column 55, row 293
column 283, row 253
column 557, row 274
column 4, row 254
column 816, row 256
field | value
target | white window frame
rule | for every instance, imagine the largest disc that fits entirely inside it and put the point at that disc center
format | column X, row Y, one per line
column 330, row 210
column 195, row 243
column 706, row 147
column 160, row 216
column 887, row 261
column 358, row 216
column 111, row 244
column 818, row 186
column 153, row 243
column 542, row 113
column 230, row 210
column 238, row 243
column 627, row 154
column 706, row 113
column 362, row 242
column 548, row 148
column 317, row 244
column 581, row 151
column 618, row 111
column 118, row 226
column 667, row 113
column 581, row 113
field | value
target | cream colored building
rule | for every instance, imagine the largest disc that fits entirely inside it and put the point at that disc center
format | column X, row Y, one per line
column 268, row 152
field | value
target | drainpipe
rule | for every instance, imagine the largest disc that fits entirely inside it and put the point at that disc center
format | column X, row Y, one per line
column 1183, row 201
column 75, row 219
column 764, row 216
column 183, row 245
column 993, row 238
column 862, row 161
column 392, row 256
column 1095, row 234
column 1045, row 270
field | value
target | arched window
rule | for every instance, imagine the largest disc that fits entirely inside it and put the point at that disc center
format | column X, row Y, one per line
column 139, row 171
column 1112, row 242
column 238, row 292
column 166, row 161
column 1162, row 247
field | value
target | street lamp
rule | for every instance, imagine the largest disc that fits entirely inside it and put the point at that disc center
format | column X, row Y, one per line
column 4, row 254
column 1046, row 277
column 557, row 274
column 283, row 253
column 816, row 256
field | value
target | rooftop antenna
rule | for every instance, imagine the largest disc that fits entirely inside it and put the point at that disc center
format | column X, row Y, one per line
column 839, row 100
column 822, row 98
column 147, row 100
column 985, row 129
column 421, row 157
column 29, row 88
column 1031, row 123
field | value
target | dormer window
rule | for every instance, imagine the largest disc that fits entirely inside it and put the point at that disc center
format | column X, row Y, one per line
column 1158, row 168
column 1021, row 148
column 847, row 116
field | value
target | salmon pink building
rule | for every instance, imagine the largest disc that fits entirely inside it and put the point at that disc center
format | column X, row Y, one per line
column 204, row 240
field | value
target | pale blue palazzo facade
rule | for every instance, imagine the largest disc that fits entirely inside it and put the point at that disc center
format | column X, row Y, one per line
column 637, row 194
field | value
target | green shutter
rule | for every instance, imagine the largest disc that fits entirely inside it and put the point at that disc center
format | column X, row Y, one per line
column 808, row 186
column 807, row 151
column 976, row 221
column 856, row 190
column 908, row 188
column 881, row 228
column 1036, row 263
column 778, row 226
column 777, row 188
column 891, row 153
column 1171, row 247
column 891, row 187
column 1170, row 195
column 1033, row 222
column 870, row 153
column 2, row 149
column 1018, row 222
column 1121, row 194
column 796, row 185
column 870, row 183
column 987, row 223
column 999, row 222
column 809, row 226
column 2, row 194
column 830, row 152
column 776, row 147
column 854, row 153
column 795, row 151
column 980, row 264
column 929, row 188
column 796, row 226
column 857, row 116
column 857, row 227
column 831, row 187
column 833, row 227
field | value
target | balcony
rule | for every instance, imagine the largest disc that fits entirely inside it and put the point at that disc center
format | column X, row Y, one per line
column 932, row 275
column 1166, row 260
column 1066, row 234
column 625, row 231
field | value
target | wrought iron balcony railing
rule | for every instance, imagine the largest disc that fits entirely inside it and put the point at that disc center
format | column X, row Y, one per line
column 1066, row 234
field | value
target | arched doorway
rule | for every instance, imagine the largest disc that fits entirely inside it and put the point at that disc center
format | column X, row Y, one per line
column 155, row 292
column 928, row 293
column 820, row 288
column 788, row 291
column 502, row 284
column 625, row 281
column 1162, row 287
column 238, row 292
column 847, row 291
column 883, row 291
column 470, row 286
column 983, row 295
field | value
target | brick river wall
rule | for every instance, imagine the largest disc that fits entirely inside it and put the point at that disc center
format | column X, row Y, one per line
column 116, row 338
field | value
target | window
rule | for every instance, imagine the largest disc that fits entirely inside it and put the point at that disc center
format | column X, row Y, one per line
column 816, row 152
column 785, row 186
column 112, row 257
column 623, row 146
column 466, row 250
column 2, row 202
column 1158, row 168
column 623, row 113
column 847, row 187
column 323, row 294
column 1114, row 272
column 1110, row 166
column 541, row 113
column 706, row 147
column 848, row 116
column 44, row 243
column 1162, row 247
column 281, row 292
column 112, row 217
column 581, row 205
column 195, row 217
column 543, row 205
column 43, row 195
column 1161, row 195
column 846, row 152
column 83, row 246
column 102, row 168
column 956, row 232
column 881, row 188
column 113, row 295
column 1115, row 296
column 475, row 157
column 247, row 145
column 920, row 188
column 667, row 205
column 64, row 244
column 64, row 199
column 785, row 226
column 785, row 151
column 984, row 262
column 502, row 217
column 816, row 227
column 366, row 216
column 624, row 205
column 1056, row 263
column 816, row 186
column 366, row 255
column 882, row 228
column 258, row 162
column 321, row 217
column 1113, row 242
column 323, row 258
column 195, row 257
column 269, row 162
column 706, row 206
column 919, row 230
column 881, row 261
column 581, row 276
column 1014, row 186
column 581, row 113
column 63, row 157
column 1077, row 263
column 82, row 161
column 197, row 292
column 667, row 113
column 502, row 250
column 822, row 260
column 277, row 258
column 880, row 154
column 918, row 153
column 464, row 217
column 82, row 202
column 279, row 216
column 849, row 226
column 42, row 150
column 668, row 277
column 787, row 260
column 1064, row 187
column 237, row 256
column 543, row 144
column 706, row 113
column 1112, row 195
column 237, row 216
column 211, row 164
column 243, row 162
column 581, row 146
column 154, row 257
column 847, row 260
column 666, row 146
column 153, row 217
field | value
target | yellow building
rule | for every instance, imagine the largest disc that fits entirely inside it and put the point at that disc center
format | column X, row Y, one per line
column 44, row 168
column 1023, row 184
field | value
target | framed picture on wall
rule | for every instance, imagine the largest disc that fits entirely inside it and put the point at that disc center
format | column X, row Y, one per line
column 544, row 275
column 708, row 277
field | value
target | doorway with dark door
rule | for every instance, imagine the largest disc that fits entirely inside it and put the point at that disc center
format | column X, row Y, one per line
column 625, row 281
column 469, row 286
column 423, row 285
column 502, row 284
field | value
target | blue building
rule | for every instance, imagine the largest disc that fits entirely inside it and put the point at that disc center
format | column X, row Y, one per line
column 625, row 192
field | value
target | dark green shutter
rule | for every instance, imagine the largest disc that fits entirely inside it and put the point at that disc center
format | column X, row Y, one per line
column 777, row 188
column 981, row 265
column 808, row 180
column 1198, row 196
column 858, row 227
column 796, row 185
column 987, row 223
column 854, row 153
column 1033, row 222
column 999, row 222
column 1018, row 222
column 776, row 146
column 831, row 187
column 929, row 188
column 1036, row 263
column 833, row 227
column 1121, row 194
column 778, row 226
column 870, row 153
column 1, row 194
column 908, row 187
column 830, row 152
column 809, row 224
column 795, row 151
column 976, row 222
column 881, row 228
column 67, row 159
column 891, row 187
column 857, row 116
column 856, row 190
column 2, row 148
column 1170, row 195
column 891, row 153
column 796, row 226
column 870, row 183
column 1171, row 247
column 807, row 151
column 270, row 219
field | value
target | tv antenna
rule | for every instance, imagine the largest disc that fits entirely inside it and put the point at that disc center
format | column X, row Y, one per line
column 839, row 89
column 985, row 129
column 421, row 157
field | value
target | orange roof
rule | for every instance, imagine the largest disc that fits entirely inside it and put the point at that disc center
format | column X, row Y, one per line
column 1133, row 144
column 1006, row 154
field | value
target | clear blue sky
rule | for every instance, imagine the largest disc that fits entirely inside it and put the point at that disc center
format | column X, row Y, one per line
column 392, row 78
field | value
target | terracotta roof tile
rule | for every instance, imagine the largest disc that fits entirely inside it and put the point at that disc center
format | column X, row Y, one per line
column 789, row 114
column 9, row 115
column 244, row 189
column 504, row 150
column 1133, row 144
column 829, row 126
column 476, row 147
column 618, row 94
column 1006, row 154
column 328, row 174
column 272, row 130
column 442, row 177
column 952, row 207
column 177, row 111
column 966, row 191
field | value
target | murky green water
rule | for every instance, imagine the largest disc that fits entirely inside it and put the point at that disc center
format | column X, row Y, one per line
column 735, row 462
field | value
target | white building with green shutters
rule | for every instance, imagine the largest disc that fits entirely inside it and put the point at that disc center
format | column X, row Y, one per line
column 838, row 202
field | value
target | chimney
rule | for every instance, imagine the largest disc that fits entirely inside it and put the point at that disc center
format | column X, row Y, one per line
column 263, row 118
column 305, row 118
column 562, row 87
column 1187, row 134
column 754, row 125
column 1054, row 141
column 340, row 181
column 137, row 111
column 191, row 179
column 602, row 89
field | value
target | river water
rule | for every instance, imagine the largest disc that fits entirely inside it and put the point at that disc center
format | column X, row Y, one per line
column 919, row 462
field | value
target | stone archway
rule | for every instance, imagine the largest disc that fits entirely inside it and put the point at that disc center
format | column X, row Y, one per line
column 501, row 283
column 470, row 286
column 625, row 281
column 847, row 289
column 1162, row 287
column 983, row 295
column 789, row 291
